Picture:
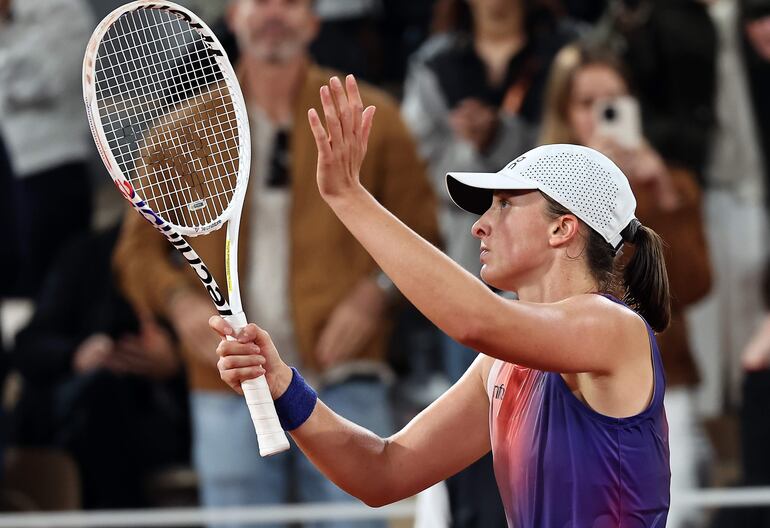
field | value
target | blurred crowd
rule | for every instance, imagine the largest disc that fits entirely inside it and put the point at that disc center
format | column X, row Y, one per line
column 116, row 401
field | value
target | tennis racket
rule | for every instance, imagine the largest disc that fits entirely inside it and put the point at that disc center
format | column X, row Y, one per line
column 168, row 118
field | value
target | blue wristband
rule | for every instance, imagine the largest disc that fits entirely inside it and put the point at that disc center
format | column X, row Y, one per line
column 296, row 404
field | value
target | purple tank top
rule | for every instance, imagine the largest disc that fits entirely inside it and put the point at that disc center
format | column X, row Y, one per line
column 559, row 464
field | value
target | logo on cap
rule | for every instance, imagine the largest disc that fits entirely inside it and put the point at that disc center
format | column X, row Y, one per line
column 516, row 162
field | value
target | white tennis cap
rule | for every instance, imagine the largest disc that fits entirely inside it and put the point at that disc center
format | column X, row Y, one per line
column 581, row 179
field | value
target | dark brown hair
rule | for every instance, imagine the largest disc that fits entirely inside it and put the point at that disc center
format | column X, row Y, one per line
column 642, row 282
column 540, row 16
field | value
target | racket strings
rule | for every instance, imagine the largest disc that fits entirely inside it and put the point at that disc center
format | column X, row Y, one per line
column 180, row 163
column 168, row 116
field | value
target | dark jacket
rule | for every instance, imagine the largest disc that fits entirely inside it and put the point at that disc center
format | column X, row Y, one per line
column 758, row 72
column 670, row 51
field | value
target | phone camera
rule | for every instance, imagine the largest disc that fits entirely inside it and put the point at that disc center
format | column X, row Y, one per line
column 610, row 113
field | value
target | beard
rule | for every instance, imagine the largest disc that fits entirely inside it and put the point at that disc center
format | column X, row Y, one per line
column 276, row 49
column 277, row 54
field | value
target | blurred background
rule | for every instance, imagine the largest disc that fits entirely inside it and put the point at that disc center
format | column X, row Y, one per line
column 110, row 397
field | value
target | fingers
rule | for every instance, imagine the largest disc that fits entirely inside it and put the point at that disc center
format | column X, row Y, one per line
column 345, row 112
column 345, row 116
column 241, row 358
column 332, row 117
column 342, row 337
column 234, row 377
column 220, row 326
column 262, row 339
column 356, row 105
column 236, row 362
column 235, row 348
column 326, row 341
column 248, row 333
column 339, row 345
column 366, row 124
column 319, row 133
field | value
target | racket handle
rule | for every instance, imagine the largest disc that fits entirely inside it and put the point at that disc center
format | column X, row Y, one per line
column 270, row 435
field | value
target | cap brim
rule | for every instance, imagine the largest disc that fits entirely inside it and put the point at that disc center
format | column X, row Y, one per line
column 472, row 191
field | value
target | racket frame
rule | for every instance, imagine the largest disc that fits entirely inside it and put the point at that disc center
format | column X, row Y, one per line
column 256, row 391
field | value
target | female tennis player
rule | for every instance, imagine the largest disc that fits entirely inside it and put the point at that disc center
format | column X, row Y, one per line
column 568, row 387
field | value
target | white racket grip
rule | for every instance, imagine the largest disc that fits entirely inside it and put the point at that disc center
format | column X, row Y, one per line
column 270, row 435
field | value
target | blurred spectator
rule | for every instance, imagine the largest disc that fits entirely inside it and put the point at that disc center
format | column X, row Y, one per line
column 306, row 279
column 95, row 379
column 754, row 24
column 371, row 38
column 669, row 201
column 670, row 49
column 349, row 39
column 755, row 30
column 755, row 428
column 586, row 10
column 42, row 122
column 736, row 214
column 8, row 270
column 3, row 424
column 472, row 98
column 9, row 250
column 754, row 18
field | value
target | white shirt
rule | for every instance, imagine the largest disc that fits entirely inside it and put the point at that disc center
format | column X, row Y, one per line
column 735, row 163
column 267, row 276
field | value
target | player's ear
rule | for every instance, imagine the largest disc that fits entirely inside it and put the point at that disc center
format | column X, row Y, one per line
column 563, row 230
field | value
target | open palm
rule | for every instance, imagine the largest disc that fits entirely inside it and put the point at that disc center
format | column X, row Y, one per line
column 342, row 144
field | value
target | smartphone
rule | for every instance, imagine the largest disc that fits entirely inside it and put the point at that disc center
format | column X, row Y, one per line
column 619, row 118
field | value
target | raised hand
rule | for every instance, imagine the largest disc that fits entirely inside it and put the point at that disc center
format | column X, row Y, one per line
column 342, row 144
column 474, row 122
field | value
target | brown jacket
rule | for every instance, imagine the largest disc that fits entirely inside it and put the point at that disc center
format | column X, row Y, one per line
column 326, row 261
column 689, row 268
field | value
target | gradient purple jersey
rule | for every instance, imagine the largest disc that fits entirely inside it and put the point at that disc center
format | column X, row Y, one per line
column 559, row 464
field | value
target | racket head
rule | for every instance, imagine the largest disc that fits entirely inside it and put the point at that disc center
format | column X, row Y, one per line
column 167, row 115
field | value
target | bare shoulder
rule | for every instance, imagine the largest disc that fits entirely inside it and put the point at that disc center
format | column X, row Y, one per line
column 611, row 313
column 619, row 327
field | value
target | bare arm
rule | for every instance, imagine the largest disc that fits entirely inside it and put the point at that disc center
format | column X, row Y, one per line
column 446, row 437
column 443, row 439
column 454, row 300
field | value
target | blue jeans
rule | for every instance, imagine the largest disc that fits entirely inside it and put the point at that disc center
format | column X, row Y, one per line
column 232, row 473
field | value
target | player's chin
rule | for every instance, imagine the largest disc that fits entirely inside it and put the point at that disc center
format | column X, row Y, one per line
column 495, row 280
column 488, row 276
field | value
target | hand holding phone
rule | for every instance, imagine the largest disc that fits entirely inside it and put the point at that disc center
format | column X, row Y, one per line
column 619, row 119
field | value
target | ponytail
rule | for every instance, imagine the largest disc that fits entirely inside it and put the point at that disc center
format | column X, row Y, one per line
column 645, row 278
column 642, row 281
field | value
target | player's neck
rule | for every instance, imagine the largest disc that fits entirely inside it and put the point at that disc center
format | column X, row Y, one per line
column 273, row 87
column 558, row 283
